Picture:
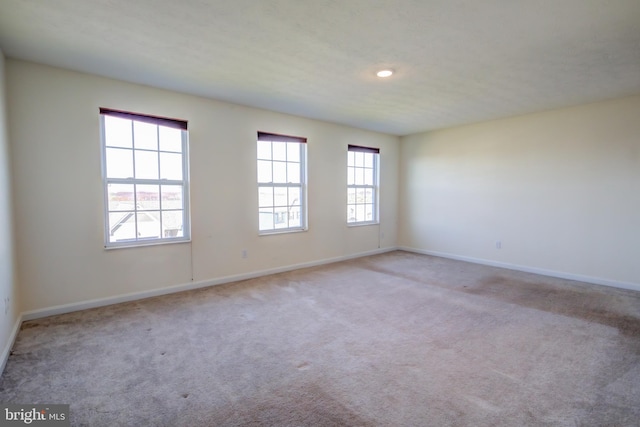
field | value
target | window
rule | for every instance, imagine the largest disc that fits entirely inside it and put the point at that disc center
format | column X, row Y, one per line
column 281, row 183
column 145, row 174
column 362, row 185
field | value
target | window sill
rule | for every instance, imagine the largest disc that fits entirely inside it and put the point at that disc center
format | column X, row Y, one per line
column 140, row 244
column 287, row 231
column 362, row 224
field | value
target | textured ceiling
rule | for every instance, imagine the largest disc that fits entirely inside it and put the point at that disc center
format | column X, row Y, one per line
column 456, row 61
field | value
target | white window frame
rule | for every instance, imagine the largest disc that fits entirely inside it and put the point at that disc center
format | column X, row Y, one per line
column 353, row 187
column 291, row 211
column 136, row 210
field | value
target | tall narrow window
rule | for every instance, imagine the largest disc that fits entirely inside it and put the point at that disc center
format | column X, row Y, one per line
column 145, row 174
column 281, row 183
column 362, row 185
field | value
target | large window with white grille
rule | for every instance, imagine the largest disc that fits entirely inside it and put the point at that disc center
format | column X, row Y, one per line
column 362, row 185
column 145, row 174
column 281, row 183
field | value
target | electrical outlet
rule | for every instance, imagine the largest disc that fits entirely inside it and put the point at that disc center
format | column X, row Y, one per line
column 498, row 244
column 245, row 253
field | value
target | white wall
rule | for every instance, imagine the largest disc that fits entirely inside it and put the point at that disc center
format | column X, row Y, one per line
column 560, row 190
column 9, row 310
column 54, row 128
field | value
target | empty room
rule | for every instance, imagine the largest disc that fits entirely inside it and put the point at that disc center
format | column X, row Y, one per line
column 320, row 213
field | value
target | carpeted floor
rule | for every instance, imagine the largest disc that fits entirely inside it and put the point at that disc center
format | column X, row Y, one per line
column 397, row 339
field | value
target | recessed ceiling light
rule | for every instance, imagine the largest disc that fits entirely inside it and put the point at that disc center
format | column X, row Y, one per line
column 384, row 73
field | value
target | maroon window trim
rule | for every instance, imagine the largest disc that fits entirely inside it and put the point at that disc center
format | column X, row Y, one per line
column 156, row 120
column 364, row 149
column 265, row 136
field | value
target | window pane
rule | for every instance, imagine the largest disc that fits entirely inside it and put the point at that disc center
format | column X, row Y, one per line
column 368, row 195
column 264, row 150
column 265, row 197
column 265, row 219
column 148, row 225
column 368, row 160
column 281, row 217
column 121, row 197
column 351, row 158
column 171, row 166
column 280, row 172
column 368, row 212
column 117, row 132
column 360, row 212
column 148, row 197
column 294, row 196
column 351, row 196
column 171, row 196
column 280, row 196
column 359, row 158
column 172, row 224
column 360, row 195
column 293, row 152
column 359, row 175
column 294, row 217
column 170, row 139
column 145, row 136
column 368, row 176
column 264, row 171
column 293, row 173
column 119, row 163
column 279, row 151
column 146, row 164
column 351, row 213
column 122, row 226
column 350, row 175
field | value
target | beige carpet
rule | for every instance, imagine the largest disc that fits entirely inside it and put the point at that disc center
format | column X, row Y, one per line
column 391, row 340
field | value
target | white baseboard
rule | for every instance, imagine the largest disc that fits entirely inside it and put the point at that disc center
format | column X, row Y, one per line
column 83, row 305
column 4, row 357
column 527, row 269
